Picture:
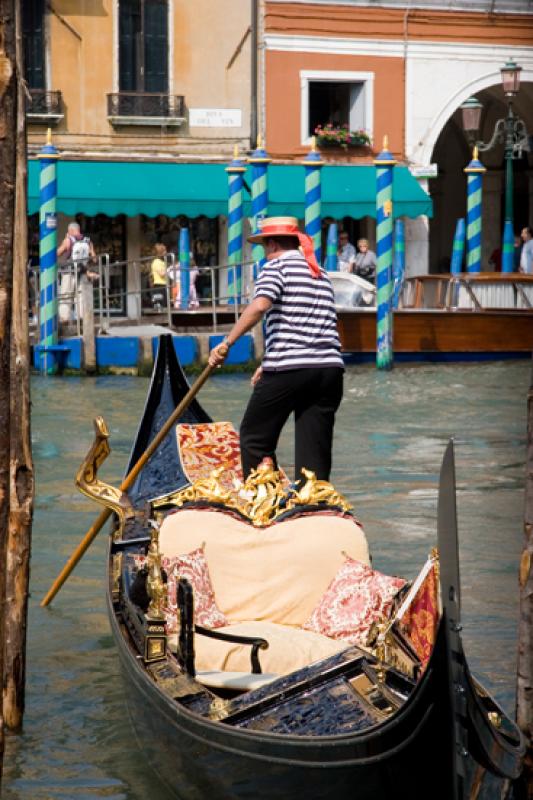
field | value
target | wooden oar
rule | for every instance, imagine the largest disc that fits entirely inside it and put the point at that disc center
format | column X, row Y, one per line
column 126, row 483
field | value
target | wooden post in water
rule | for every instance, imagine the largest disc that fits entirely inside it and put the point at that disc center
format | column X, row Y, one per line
column 524, row 685
column 89, row 342
column 8, row 105
column 21, row 465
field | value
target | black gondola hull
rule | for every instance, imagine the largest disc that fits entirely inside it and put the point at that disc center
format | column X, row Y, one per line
column 412, row 754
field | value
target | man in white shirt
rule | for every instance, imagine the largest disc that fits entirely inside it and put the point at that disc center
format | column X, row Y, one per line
column 526, row 256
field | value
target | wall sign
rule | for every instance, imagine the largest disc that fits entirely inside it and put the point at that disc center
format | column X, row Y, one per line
column 215, row 117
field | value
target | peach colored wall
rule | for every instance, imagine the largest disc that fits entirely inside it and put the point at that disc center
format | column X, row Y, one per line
column 388, row 23
column 82, row 64
column 283, row 97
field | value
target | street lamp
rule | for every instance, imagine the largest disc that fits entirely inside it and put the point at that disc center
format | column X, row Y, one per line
column 511, row 131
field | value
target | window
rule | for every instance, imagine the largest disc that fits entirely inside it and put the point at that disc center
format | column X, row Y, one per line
column 143, row 46
column 33, row 36
column 339, row 98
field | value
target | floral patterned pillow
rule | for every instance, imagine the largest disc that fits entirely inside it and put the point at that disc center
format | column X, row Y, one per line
column 192, row 566
column 356, row 597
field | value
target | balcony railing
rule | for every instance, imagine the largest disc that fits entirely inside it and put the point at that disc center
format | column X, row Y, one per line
column 145, row 108
column 44, row 106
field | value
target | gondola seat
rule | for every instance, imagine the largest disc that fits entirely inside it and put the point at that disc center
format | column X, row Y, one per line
column 266, row 581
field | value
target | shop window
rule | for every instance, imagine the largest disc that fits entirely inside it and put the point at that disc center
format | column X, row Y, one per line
column 336, row 98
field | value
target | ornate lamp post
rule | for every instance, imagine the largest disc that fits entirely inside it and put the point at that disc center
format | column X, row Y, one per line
column 511, row 131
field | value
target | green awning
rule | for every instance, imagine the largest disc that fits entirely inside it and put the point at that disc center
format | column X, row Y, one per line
column 131, row 188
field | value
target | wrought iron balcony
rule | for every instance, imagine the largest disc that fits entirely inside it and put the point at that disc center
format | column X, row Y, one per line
column 145, row 108
column 44, row 106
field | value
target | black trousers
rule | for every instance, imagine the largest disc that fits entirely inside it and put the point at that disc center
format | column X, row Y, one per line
column 314, row 396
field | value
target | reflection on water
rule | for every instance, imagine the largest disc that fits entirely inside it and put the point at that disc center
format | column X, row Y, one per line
column 390, row 436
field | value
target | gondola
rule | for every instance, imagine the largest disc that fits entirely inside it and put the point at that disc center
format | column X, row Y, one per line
column 364, row 721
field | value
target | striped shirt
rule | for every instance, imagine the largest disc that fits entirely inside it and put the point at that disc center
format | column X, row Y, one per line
column 301, row 325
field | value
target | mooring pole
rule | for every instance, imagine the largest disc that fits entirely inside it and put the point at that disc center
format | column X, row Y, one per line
column 458, row 248
column 235, row 170
column 524, row 680
column 48, row 322
column 185, row 268
column 313, row 164
column 21, row 483
column 474, row 208
column 8, row 106
column 385, row 163
column 259, row 161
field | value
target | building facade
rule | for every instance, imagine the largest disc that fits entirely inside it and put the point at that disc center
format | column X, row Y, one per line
column 403, row 69
column 147, row 100
column 132, row 89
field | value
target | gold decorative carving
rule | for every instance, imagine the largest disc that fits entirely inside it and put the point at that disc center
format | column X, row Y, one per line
column 262, row 498
column 315, row 492
column 155, row 586
column 90, row 485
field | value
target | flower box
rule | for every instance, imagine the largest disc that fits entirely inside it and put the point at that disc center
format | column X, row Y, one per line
column 331, row 136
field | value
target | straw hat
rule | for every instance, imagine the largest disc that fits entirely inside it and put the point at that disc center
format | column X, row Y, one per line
column 287, row 226
column 275, row 226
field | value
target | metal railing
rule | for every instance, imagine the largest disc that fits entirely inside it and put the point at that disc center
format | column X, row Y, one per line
column 44, row 102
column 145, row 104
column 143, row 302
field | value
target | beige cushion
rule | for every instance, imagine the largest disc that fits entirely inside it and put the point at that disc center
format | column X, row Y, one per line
column 289, row 649
column 277, row 573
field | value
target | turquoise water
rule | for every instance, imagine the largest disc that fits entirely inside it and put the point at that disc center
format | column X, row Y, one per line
column 390, row 437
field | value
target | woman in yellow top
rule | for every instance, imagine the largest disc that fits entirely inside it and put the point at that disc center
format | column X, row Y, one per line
column 158, row 267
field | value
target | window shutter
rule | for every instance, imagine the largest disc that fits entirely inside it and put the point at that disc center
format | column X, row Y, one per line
column 33, row 35
column 156, row 46
column 129, row 32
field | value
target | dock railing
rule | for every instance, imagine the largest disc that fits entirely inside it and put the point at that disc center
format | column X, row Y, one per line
column 114, row 301
column 483, row 291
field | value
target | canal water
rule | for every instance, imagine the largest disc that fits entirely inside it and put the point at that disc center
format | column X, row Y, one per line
column 390, row 437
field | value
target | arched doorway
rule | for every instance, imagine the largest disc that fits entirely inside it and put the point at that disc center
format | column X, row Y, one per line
column 452, row 153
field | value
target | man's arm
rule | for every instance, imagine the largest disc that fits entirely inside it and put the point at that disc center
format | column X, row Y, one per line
column 251, row 315
column 64, row 246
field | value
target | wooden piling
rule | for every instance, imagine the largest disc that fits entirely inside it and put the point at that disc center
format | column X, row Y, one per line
column 21, row 483
column 89, row 342
column 8, row 104
column 524, row 685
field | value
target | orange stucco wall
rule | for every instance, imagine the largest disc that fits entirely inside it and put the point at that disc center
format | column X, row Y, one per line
column 283, row 98
column 389, row 23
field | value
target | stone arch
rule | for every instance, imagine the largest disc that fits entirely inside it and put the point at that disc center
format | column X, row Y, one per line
column 434, row 130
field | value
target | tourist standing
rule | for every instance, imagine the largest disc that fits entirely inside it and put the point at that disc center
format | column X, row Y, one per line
column 365, row 261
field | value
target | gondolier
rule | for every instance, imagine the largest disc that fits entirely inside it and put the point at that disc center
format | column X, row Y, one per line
column 302, row 369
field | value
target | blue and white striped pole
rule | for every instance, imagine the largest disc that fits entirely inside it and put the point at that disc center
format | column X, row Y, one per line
column 508, row 247
column 48, row 327
column 458, row 247
column 332, row 245
column 185, row 268
column 398, row 263
column 259, row 161
column 313, row 164
column 385, row 163
column 235, row 172
column 474, row 197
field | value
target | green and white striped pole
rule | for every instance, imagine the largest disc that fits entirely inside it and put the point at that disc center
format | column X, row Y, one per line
column 385, row 163
column 474, row 197
column 398, row 264
column 259, row 161
column 458, row 247
column 508, row 247
column 313, row 164
column 235, row 171
column 48, row 327
column 332, row 246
